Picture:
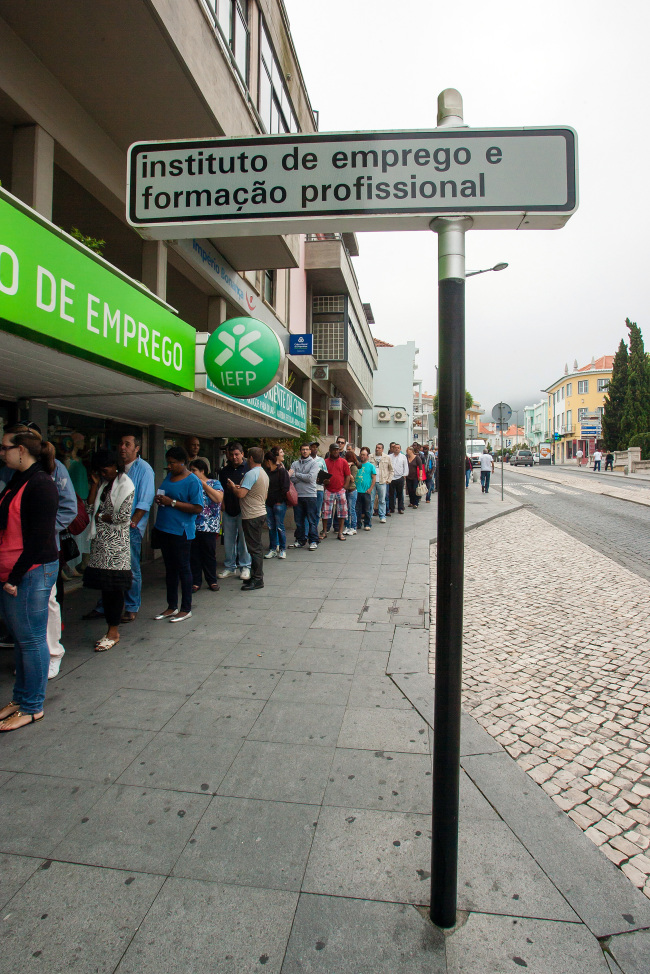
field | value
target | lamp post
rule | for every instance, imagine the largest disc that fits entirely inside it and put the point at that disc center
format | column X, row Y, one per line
column 501, row 266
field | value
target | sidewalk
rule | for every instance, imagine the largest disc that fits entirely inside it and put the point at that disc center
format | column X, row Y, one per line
column 254, row 793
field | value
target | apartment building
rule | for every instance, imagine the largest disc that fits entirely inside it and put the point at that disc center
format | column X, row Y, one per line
column 98, row 344
column 575, row 407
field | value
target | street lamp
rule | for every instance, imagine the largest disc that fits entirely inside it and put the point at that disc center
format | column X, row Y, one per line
column 501, row 266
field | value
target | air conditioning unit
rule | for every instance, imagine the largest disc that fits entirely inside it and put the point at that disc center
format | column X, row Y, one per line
column 400, row 415
column 383, row 415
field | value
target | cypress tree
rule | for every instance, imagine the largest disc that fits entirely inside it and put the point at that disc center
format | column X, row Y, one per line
column 636, row 407
column 615, row 399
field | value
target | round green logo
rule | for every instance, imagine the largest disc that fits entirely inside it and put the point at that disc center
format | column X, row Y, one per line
column 244, row 357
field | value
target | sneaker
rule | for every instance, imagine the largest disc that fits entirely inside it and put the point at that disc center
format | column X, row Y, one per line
column 352, row 531
column 367, row 527
column 382, row 520
column 313, row 546
column 297, row 544
column 245, row 574
column 55, row 666
column 346, row 531
column 227, row 572
column 271, row 553
column 282, row 553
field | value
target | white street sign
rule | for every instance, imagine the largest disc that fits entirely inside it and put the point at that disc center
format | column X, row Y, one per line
column 503, row 178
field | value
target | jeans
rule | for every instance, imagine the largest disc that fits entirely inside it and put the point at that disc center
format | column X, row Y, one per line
column 351, row 519
column 275, row 520
column 485, row 480
column 364, row 509
column 396, row 493
column 25, row 616
column 253, row 531
column 306, row 514
column 468, row 474
column 235, row 550
column 431, row 486
column 203, row 558
column 413, row 497
column 133, row 597
column 380, row 491
column 175, row 549
column 320, row 494
column 596, row 466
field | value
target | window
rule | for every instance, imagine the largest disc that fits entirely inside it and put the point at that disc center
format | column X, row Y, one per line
column 569, row 389
column 583, row 387
column 269, row 287
column 562, row 392
column 581, row 414
column 602, row 384
column 274, row 104
column 232, row 18
column 569, row 419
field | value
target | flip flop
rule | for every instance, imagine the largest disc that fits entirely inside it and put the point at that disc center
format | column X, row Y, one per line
column 10, row 704
column 103, row 644
column 339, row 538
column 19, row 713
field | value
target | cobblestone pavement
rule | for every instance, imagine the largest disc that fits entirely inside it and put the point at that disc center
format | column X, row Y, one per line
column 557, row 670
column 620, row 530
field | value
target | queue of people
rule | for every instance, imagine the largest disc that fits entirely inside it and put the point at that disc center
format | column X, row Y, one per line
column 41, row 504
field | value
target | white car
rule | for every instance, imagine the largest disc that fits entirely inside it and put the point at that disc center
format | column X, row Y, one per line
column 535, row 457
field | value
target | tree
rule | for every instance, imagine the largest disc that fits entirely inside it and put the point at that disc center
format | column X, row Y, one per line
column 469, row 402
column 636, row 407
column 615, row 400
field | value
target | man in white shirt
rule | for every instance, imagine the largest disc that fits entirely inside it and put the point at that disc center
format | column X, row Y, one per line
column 384, row 465
column 396, row 486
column 487, row 468
column 597, row 458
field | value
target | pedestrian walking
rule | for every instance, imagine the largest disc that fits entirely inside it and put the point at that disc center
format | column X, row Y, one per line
column 487, row 468
column 597, row 461
column 365, row 479
column 252, row 494
column 609, row 461
column 304, row 473
column 579, row 456
column 110, row 505
column 237, row 560
column 203, row 552
column 276, row 502
column 400, row 470
column 384, row 475
column 29, row 564
column 339, row 472
column 179, row 499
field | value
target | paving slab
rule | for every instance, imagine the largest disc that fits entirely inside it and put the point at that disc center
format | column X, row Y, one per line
column 348, row 936
column 251, row 843
column 139, row 709
column 310, row 687
column 570, row 860
column 199, row 926
column 183, row 762
column 384, row 729
column 134, row 828
column 409, row 651
column 15, row 871
column 373, row 855
column 388, row 780
column 279, row 772
column 90, row 751
column 320, row 639
column 240, row 681
column 37, row 811
column 371, row 689
column 325, row 660
column 211, row 715
column 291, row 722
column 401, row 612
column 486, row 944
column 66, row 912
column 631, row 951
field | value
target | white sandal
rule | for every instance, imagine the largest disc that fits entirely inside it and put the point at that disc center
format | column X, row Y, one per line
column 105, row 643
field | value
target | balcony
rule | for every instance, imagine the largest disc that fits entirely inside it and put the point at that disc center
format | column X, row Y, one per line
column 328, row 264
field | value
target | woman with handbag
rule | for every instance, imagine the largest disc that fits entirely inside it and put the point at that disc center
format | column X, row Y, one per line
column 351, row 494
column 29, row 563
column 276, row 502
column 109, row 504
column 203, row 553
column 415, row 477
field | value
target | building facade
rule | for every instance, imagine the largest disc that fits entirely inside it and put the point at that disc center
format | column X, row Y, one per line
column 100, row 345
column 391, row 418
column 536, row 424
column 575, row 408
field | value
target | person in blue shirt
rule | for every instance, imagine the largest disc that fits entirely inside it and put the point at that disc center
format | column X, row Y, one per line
column 365, row 477
column 179, row 499
column 141, row 473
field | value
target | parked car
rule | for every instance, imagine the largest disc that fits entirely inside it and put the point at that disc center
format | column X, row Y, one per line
column 536, row 457
column 522, row 458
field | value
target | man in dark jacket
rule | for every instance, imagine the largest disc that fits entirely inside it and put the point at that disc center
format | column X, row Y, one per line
column 237, row 558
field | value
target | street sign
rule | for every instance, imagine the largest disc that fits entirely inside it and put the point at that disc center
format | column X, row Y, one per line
column 335, row 403
column 522, row 178
column 244, row 357
column 501, row 412
column 301, row 344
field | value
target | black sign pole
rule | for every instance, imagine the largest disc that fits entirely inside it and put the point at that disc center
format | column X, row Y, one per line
column 450, row 546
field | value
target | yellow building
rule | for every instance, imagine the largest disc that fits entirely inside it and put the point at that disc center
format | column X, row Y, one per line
column 575, row 408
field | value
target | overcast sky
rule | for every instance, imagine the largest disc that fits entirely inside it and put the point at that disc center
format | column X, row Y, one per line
column 376, row 65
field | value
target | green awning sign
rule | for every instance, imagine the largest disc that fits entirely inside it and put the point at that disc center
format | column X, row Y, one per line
column 56, row 292
column 244, row 357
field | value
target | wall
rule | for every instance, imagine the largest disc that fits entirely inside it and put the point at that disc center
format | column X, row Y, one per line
column 392, row 387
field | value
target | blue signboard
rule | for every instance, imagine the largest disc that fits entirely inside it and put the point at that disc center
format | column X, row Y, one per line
column 301, row 344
